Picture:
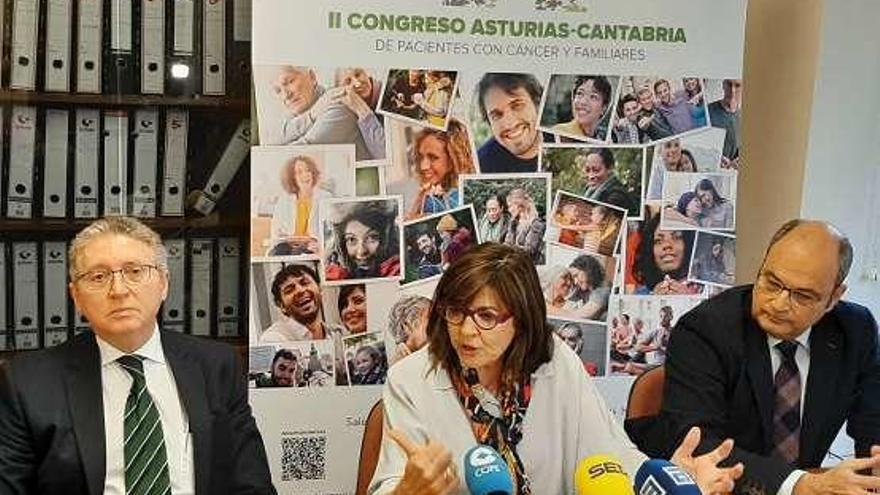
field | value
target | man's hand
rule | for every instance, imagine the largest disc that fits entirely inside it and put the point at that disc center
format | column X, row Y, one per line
column 644, row 122
column 711, row 479
column 843, row 479
column 429, row 467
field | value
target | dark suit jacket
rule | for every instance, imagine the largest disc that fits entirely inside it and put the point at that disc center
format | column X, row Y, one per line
column 52, row 419
column 718, row 377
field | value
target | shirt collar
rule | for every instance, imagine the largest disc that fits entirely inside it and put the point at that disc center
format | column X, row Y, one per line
column 803, row 340
column 151, row 350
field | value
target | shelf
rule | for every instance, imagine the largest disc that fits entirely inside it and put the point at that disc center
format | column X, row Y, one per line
column 161, row 224
column 241, row 105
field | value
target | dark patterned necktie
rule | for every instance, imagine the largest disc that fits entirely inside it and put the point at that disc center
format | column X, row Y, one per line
column 146, row 462
column 787, row 409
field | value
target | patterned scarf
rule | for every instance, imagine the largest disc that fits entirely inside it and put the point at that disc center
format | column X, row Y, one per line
column 498, row 425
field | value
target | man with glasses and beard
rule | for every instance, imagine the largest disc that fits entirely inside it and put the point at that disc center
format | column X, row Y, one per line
column 779, row 366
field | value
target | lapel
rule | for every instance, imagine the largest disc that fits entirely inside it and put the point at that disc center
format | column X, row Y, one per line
column 757, row 357
column 85, row 398
column 191, row 387
column 826, row 347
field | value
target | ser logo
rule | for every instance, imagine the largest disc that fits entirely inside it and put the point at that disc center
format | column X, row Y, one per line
column 605, row 468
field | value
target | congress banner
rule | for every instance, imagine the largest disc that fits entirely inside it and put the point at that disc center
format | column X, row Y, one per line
column 601, row 137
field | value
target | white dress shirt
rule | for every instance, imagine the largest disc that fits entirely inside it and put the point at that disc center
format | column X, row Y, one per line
column 567, row 420
column 802, row 358
column 115, row 384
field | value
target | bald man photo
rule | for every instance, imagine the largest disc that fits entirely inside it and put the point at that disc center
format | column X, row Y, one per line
column 778, row 366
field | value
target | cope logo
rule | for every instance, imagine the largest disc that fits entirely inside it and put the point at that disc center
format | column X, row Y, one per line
column 485, row 461
column 605, row 468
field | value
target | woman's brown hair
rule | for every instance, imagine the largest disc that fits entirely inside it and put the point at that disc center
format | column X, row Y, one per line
column 288, row 173
column 458, row 151
column 509, row 272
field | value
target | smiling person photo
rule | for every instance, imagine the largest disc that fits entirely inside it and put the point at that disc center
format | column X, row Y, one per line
column 364, row 239
column 590, row 101
column 509, row 104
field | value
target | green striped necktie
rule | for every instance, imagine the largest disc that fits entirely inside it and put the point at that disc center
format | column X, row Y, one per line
column 146, row 462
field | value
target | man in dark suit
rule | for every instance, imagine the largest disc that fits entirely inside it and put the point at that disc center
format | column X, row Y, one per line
column 127, row 408
column 778, row 367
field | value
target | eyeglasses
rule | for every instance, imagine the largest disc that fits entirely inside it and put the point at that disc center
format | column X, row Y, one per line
column 484, row 318
column 101, row 278
column 796, row 298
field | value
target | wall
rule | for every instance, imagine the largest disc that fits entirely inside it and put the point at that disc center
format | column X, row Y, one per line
column 781, row 55
column 841, row 174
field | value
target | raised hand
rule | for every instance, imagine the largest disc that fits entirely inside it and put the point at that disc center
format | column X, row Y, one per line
column 354, row 102
column 429, row 467
column 711, row 479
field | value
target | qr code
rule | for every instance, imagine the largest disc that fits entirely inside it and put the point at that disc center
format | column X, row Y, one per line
column 303, row 457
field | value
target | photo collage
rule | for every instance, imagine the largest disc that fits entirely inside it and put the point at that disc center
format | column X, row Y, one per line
column 370, row 182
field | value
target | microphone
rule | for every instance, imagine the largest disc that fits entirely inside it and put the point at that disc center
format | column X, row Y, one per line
column 486, row 473
column 601, row 475
column 661, row 476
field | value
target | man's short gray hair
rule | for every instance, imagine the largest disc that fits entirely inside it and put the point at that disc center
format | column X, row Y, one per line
column 118, row 225
column 844, row 251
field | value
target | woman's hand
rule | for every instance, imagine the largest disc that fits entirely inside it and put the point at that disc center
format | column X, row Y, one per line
column 355, row 103
column 711, row 479
column 418, row 203
column 429, row 469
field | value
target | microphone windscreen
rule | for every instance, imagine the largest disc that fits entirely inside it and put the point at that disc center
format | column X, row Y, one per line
column 601, row 475
column 486, row 473
column 661, row 476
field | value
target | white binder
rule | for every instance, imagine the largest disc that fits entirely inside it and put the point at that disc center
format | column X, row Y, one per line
column 115, row 162
column 59, row 15
column 174, row 170
column 228, row 283
column 146, row 163
column 88, row 49
column 22, row 138
column 214, row 48
column 152, row 47
column 55, row 314
column 236, row 151
column 25, row 294
column 55, row 164
column 174, row 309
column 23, row 57
column 85, row 176
column 201, row 259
